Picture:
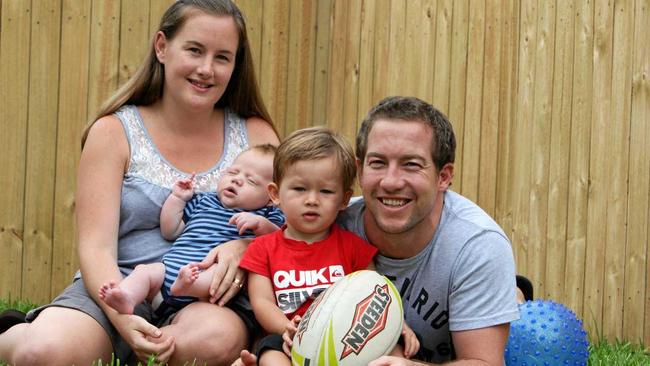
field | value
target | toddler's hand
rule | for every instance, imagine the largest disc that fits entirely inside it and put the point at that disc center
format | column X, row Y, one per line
column 289, row 332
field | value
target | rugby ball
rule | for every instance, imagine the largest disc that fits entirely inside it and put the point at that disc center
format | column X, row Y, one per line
column 356, row 320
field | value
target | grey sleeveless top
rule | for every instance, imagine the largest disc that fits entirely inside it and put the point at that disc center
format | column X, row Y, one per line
column 148, row 182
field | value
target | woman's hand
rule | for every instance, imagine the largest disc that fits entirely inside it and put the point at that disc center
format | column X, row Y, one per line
column 228, row 277
column 144, row 338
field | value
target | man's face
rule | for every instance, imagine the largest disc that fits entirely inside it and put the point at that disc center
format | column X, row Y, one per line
column 398, row 178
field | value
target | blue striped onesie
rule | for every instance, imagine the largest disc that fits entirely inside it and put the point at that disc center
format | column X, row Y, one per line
column 206, row 227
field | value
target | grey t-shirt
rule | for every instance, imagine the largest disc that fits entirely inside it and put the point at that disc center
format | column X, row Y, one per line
column 464, row 279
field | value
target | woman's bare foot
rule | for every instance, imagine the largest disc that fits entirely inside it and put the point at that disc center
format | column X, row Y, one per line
column 116, row 298
column 186, row 278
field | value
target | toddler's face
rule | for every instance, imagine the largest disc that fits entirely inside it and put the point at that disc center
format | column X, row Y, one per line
column 310, row 195
column 244, row 184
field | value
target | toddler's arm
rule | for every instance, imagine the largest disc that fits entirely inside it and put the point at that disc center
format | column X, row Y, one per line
column 259, row 225
column 171, row 214
column 266, row 310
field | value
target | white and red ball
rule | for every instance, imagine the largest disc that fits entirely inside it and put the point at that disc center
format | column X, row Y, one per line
column 356, row 320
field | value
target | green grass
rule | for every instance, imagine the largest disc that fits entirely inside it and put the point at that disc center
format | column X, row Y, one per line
column 623, row 353
column 601, row 352
column 21, row 305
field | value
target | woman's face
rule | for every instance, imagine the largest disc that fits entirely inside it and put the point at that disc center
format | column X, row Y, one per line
column 199, row 59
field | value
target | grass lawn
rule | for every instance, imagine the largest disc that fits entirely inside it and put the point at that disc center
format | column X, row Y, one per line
column 601, row 352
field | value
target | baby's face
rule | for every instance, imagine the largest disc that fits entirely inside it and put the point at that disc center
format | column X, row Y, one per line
column 244, row 184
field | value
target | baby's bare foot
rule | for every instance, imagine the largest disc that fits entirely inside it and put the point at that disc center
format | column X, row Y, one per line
column 186, row 277
column 116, row 298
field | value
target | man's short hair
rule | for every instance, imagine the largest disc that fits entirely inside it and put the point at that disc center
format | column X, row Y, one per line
column 396, row 108
column 312, row 144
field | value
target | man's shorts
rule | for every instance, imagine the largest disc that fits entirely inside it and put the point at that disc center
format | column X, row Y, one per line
column 272, row 342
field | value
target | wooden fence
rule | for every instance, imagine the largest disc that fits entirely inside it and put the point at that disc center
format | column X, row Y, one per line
column 550, row 101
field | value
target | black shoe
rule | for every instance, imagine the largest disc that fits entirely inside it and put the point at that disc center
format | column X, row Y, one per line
column 526, row 287
column 9, row 318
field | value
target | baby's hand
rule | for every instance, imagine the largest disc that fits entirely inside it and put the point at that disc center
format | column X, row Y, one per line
column 184, row 189
column 289, row 332
column 246, row 221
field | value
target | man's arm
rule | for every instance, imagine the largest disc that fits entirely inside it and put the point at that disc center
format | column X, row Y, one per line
column 484, row 347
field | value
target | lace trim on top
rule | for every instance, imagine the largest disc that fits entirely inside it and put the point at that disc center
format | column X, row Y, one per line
column 147, row 162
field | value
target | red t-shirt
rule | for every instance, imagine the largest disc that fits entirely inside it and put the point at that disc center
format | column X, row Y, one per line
column 300, row 271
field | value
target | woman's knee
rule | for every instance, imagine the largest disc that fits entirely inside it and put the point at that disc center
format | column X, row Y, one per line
column 53, row 340
column 36, row 351
column 218, row 335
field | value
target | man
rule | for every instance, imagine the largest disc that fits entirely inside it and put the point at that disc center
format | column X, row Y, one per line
column 451, row 262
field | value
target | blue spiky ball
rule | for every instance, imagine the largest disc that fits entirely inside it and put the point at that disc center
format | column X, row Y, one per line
column 547, row 333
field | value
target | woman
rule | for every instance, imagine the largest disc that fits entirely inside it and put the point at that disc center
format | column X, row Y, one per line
column 192, row 107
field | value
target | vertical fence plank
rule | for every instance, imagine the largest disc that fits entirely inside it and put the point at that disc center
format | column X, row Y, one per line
column 253, row 16
column 41, row 149
column 397, row 49
column 579, row 159
column 414, row 41
column 599, row 175
column 366, row 61
column 417, row 42
column 521, row 143
column 273, row 75
column 337, row 60
column 156, row 10
column 559, row 153
column 489, row 144
column 347, row 125
column 473, row 97
column 426, row 41
column 382, row 50
column 541, row 127
column 104, row 53
column 507, row 91
column 302, row 24
column 321, row 62
column 615, row 248
column 457, row 79
column 14, row 71
column 73, row 101
column 636, row 315
column 134, row 34
column 442, row 69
